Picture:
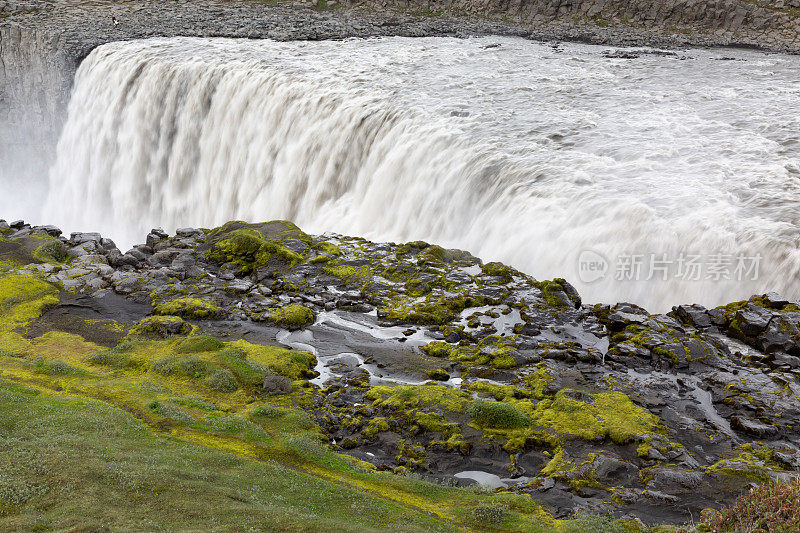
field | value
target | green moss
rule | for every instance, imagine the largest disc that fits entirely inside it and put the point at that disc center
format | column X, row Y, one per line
column 438, row 374
column 290, row 363
column 400, row 273
column 162, row 326
column 538, row 381
column 23, row 298
column 557, row 464
column 409, row 247
column 237, row 245
column 437, row 311
column 643, row 450
column 499, row 270
column 375, row 426
column 328, row 248
column 235, row 360
column 350, row 274
column 491, row 351
column 293, row 316
column 17, row 288
column 417, row 288
column 320, row 259
column 407, row 397
column 189, row 308
column 434, row 422
column 605, row 415
column 552, row 290
column 752, row 462
column 275, row 250
column 499, row 392
column 291, row 231
column 497, row 415
column 438, row 349
column 437, row 256
column 52, row 251
column 199, row 343
column 577, row 474
column 249, row 249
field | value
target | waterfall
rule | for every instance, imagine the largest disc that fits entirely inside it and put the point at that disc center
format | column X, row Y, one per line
column 548, row 159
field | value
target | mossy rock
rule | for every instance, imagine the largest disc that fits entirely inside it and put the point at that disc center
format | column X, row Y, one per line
column 559, row 294
column 293, row 316
column 376, row 425
column 280, row 230
column 328, row 248
column 494, row 351
column 189, row 308
column 52, row 251
column 438, row 311
column 350, row 274
column 161, row 326
column 410, row 247
column 439, row 374
column 498, row 270
column 436, row 255
column 408, row 396
column 249, row 250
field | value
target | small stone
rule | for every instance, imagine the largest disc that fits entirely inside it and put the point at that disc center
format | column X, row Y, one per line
column 547, row 484
column 189, row 232
column 81, row 238
column 50, row 230
column 239, row 286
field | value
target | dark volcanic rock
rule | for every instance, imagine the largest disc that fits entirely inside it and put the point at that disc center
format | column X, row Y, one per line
column 277, row 385
column 427, row 360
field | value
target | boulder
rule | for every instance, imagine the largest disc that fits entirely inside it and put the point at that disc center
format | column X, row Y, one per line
column 277, row 385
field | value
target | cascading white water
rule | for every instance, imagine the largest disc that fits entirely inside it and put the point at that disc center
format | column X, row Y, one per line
column 521, row 152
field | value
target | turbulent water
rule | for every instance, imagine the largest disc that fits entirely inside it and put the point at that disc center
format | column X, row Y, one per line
column 558, row 160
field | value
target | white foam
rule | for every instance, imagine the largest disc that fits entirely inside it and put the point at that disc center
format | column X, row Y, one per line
column 519, row 153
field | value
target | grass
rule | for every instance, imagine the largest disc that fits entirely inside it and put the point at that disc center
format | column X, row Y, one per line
column 199, row 343
column 73, row 464
column 769, row 507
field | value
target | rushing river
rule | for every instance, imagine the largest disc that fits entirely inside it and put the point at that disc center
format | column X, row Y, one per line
column 660, row 180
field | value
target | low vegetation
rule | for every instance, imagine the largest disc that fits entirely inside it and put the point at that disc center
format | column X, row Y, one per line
column 769, row 507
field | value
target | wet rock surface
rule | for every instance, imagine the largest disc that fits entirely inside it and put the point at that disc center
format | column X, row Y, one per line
column 618, row 22
column 431, row 361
